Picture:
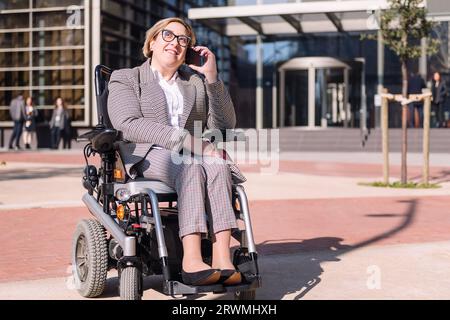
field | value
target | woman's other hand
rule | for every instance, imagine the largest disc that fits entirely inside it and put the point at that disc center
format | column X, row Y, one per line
column 210, row 150
column 209, row 68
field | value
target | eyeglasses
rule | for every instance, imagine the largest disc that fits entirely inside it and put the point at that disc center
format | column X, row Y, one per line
column 182, row 40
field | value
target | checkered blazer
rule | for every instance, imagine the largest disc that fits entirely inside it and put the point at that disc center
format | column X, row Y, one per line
column 137, row 106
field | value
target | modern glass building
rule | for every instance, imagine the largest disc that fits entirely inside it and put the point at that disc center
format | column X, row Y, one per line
column 48, row 48
column 44, row 53
column 271, row 33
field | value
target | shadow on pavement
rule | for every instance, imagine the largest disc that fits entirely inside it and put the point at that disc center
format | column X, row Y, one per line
column 112, row 286
column 435, row 177
column 40, row 173
column 301, row 269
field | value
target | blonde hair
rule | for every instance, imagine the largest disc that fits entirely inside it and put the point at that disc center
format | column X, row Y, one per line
column 153, row 32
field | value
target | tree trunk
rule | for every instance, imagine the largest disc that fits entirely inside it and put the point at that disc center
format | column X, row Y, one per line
column 404, row 176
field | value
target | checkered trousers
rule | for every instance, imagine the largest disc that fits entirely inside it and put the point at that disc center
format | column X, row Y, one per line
column 203, row 186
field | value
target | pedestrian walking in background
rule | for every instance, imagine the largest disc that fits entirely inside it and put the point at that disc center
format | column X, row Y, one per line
column 439, row 91
column 59, row 124
column 415, row 86
column 17, row 113
column 30, row 123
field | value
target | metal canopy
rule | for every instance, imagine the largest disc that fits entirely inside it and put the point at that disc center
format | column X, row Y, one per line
column 292, row 18
column 304, row 63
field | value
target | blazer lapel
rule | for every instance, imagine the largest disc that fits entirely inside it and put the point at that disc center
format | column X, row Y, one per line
column 188, row 93
column 152, row 95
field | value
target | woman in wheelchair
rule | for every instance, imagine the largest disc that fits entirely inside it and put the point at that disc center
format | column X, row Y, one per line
column 157, row 106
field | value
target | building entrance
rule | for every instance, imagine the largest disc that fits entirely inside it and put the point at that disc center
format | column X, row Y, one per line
column 314, row 92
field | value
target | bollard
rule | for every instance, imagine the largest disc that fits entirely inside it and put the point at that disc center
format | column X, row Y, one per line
column 426, row 139
column 404, row 174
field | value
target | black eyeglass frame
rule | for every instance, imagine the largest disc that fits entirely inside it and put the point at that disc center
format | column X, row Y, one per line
column 173, row 35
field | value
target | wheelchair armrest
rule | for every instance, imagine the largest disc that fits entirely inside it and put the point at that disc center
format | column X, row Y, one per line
column 224, row 135
column 102, row 138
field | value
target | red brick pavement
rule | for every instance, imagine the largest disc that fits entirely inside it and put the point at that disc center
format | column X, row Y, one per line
column 36, row 243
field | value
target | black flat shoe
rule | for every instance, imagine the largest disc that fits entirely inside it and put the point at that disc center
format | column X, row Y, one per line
column 230, row 277
column 201, row 278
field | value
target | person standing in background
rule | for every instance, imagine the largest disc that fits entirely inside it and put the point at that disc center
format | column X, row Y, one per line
column 30, row 123
column 67, row 132
column 415, row 86
column 439, row 91
column 17, row 113
column 59, row 123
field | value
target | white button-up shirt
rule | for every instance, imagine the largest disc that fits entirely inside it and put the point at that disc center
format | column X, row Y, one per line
column 174, row 97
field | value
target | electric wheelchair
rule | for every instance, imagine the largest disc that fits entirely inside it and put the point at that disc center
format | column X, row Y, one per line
column 132, row 233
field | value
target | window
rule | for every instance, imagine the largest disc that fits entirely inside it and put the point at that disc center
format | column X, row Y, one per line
column 56, row 3
column 14, row 40
column 113, row 7
column 58, row 58
column 48, row 97
column 57, row 19
column 14, row 4
column 58, row 77
column 14, row 59
column 73, row 37
column 7, row 96
column 113, row 25
column 14, row 79
column 14, row 20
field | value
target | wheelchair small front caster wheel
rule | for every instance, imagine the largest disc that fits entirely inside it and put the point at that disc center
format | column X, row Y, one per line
column 245, row 295
column 130, row 284
column 89, row 258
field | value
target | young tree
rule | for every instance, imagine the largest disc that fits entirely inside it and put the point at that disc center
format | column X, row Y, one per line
column 402, row 26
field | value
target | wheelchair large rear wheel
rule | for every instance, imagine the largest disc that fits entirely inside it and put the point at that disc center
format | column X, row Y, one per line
column 89, row 258
column 130, row 284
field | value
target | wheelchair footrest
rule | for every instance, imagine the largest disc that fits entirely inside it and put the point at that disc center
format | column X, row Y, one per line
column 173, row 288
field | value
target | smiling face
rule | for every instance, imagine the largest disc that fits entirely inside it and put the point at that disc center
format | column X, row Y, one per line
column 170, row 54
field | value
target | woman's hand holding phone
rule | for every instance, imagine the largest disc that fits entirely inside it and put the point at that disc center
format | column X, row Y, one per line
column 209, row 68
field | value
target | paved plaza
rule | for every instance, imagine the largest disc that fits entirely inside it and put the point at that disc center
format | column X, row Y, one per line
column 320, row 234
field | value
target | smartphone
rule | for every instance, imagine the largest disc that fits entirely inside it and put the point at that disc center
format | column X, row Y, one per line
column 194, row 57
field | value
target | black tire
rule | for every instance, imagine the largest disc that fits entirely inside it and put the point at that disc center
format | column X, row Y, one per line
column 245, row 295
column 89, row 258
column 130, row 284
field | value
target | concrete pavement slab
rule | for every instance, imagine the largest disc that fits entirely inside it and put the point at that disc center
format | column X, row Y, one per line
column 407, row 271
column 320, row 235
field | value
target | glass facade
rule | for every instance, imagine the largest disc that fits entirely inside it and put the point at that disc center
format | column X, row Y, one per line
column 42, row 54
column 124, row 24
column 46, row 48
column 347, row 47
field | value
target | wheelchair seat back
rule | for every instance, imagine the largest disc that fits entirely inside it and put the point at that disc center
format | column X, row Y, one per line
column 102, row 75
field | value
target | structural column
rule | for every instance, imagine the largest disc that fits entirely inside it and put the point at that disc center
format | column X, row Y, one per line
column 346, row 103
column 94, row 29
column 380, row 73
column 259, row 83
column 311, row 97
column 282, row 97
column 423, row 59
